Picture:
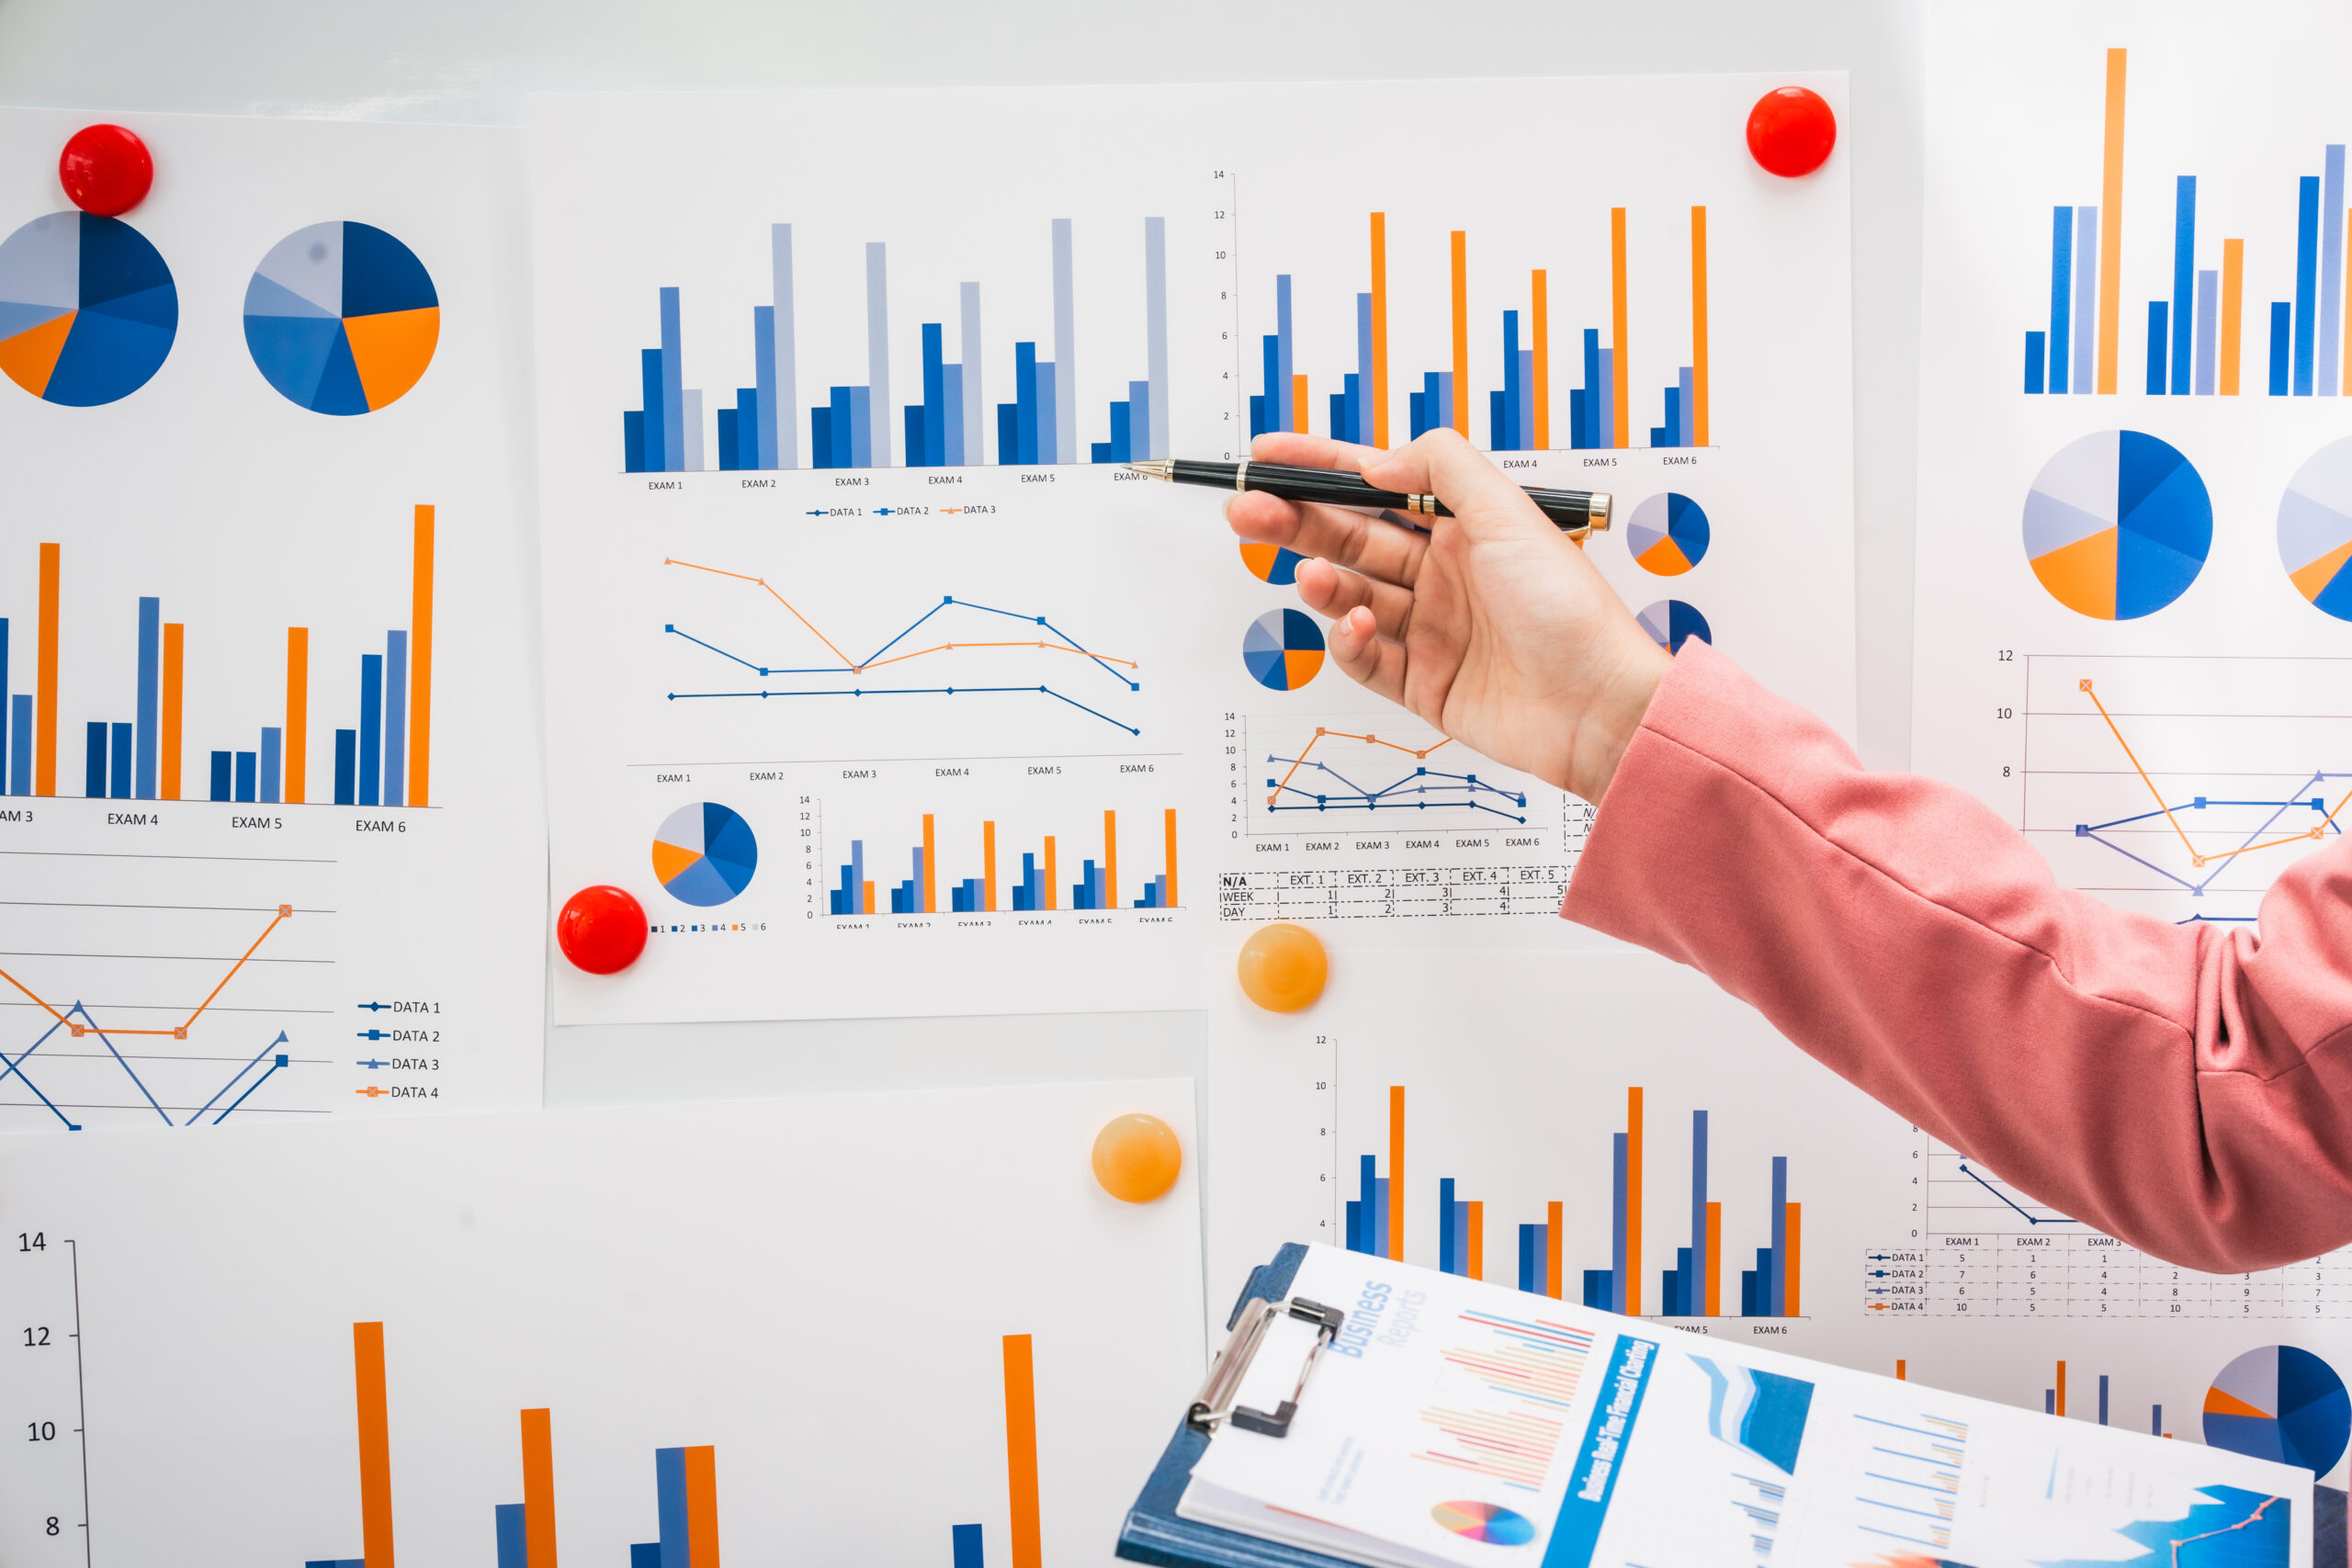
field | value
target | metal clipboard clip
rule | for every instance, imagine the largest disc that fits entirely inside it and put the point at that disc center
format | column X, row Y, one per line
column 1215, row 1404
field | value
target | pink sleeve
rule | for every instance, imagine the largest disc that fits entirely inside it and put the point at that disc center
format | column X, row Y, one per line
column 2187, row 1088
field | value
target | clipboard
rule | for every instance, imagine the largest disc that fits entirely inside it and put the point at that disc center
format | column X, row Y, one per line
column 1152, row 1533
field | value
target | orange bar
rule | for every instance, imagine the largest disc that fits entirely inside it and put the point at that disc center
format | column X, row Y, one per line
column 1902, row 1371
column 1698, row 325
column 1714, row 1299
column 869, row 899
column 1053, row 890
column 45, row 679
column 1460, row 332
column 1019, row 1449
column 1632, row 1302
column 1543, row 329
column 1796, row 1257
column 420, row 664
column 1477, row 1239
column 2110, row 224
column 1396, row 1173
column 2232, row 301
column 298, row 712
column 702, row 1507
column 929, row 869
column 174, row 652
column 1619, row 437
column 539, row 1489
column 375, row 1445
column 1379, row 339
column 1110, row 860
column 1299, row 404
column 987, row 865
column 1171, row 857
column 1552, row 1227
column 2060, row 1402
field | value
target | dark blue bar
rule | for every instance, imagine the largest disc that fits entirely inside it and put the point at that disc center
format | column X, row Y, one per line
column 1416, row 414
column 1497, row 420
column 347, row 766
column 119, row 763
column 150, row 652
column 911, row 428
column 2306, row 281
column 2033, row 354
column 1008, row 433
column 1576, row 416
column 248, row 776
column 2049, row 1402
column 932, row 453
column 1368, row 1228
column 1273, row 373
column 1353, row 381
column 2102, row 1399
column 652, row 425
column 1123, row 433
column 1748, row 1293
column 967, row 1540
column 2282, row 319
column 645, row 1554
column 2156, row 340
column 1588, row 423
column 821, row 438
column 1355, row 1227
column 94, row 763
column 1673, row 431
column 670, row 1497
column 1445, row 1224
column 2062, row 278
column 633, row 442
column 842, row 428
column 513, row 1540
column 1507, row 434
column 1024, row 398
column 371, row 726
column 2184, row 282
column 220, row 764
column 5, row 784
column 729, row 451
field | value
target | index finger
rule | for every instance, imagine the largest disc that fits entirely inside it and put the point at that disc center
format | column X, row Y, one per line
column 1441, row 463
column 1310, row 451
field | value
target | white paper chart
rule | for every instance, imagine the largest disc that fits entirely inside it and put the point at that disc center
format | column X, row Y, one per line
column 444, row 1331
column 2132, row 634
column 1611, row 1130
column 272, row 818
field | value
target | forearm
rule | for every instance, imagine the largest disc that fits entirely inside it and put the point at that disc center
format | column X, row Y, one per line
column 2181, row 1087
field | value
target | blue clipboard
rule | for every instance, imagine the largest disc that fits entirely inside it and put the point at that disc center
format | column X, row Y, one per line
column 1153, row 1533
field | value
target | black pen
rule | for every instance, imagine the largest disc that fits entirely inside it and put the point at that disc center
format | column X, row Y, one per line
column 1575, row 511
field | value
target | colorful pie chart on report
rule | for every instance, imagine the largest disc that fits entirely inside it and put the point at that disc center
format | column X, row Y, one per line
column 2117, row 525
column 1271, row 563
column 1671, row 622
column 2282, row 1403
column 341, row 318
column 87, row 309
column 1283, row 649
column 1489, row 1522
column 1668, row 534
column 705, row 854
column 2315, row 529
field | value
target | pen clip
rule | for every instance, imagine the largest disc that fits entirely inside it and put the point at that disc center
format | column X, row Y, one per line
column 1215, row 1404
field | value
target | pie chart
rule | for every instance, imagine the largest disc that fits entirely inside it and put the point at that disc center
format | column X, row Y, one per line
column 2118, row 525
column 341, row 318
column 2315, row 529
column 1283, row 649
column 1271, row 563
column 1489, row 1522
column 1671, row 622
column 87, row 309
column 1669, row 535
column 705, row 854
column 2282, row 1403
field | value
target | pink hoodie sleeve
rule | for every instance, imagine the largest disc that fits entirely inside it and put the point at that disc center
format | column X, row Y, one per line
column 2187, row 1089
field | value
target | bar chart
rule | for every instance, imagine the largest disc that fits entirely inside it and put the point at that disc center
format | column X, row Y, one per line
column 384, row 757
column 1035, row 888
column 951, row 427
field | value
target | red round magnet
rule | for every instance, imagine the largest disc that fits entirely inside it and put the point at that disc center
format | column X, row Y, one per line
column 1791, row 131
column 600, row 930
column 106, row 170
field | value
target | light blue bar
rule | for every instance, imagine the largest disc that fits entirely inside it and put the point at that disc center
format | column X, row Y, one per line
column 1688, row 382
column 861, row 427
column 2184, row 284
column 272, row 763
column 1064, row 404
column 1527, row 400
column 20, row 744
column 1617, row 1210
column 2061, row 279
column 1695, row 1285
column 2331, row 270
column 1286, row 416
column 760, row 453
column 151, row 635
column 1364, row 370
column 673, row 399
column 2306, row 320
column 2209, row 292
column 1605, row 394
column 1048, row 413
column 1778, row 1285
column 781, row 432
column 1155, row 314
column 975, row 448
column 952, row 376
column 876, row 426
column 395, row 719
column 2085, row 297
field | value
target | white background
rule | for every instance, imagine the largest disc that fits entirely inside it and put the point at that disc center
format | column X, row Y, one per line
column 474, row 61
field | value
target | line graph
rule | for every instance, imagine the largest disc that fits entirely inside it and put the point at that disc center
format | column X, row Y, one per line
column 1417, row 791
column 2180, row 786
column 890, row 654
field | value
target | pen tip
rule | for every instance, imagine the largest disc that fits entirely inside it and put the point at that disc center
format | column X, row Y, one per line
column 1156, row 468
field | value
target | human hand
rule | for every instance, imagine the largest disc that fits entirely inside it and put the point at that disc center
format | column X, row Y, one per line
column 1492, row 626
